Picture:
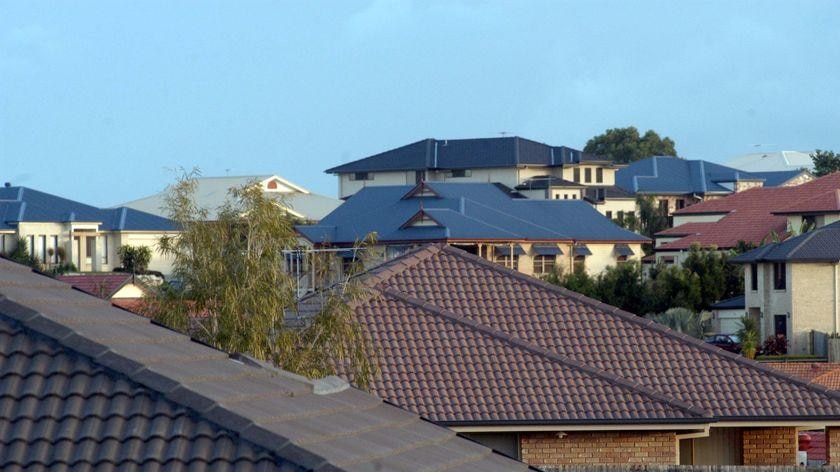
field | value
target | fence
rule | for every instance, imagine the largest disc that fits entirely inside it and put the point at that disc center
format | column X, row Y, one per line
column 687, row 468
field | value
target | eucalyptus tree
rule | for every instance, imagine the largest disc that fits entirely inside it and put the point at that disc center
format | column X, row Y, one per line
column 235, row 293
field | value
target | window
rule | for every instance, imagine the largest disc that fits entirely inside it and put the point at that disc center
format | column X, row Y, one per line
column 779, row 276
column 557, row 196
column 753, row 276
column 620, row 216
column 42, row 248
column 460, row 173
column 579, row 265
column 576, row 174
column 90, row 247
column 680, row 204
column 419, row 176
column 609, row 214
column 663, row 206
column 361, row 176
column 544, row 264
column 565, row 196
column 574, row 196
column 621, row 259
column 31, row 242
column 599, row 175
column 54, row 246
column 511, row 262
column 587, row 174
column 103, row 247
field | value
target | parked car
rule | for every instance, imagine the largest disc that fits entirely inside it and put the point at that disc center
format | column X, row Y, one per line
column 728, row 342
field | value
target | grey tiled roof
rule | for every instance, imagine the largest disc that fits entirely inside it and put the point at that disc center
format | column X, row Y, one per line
column 86, row 386
column 819, row 245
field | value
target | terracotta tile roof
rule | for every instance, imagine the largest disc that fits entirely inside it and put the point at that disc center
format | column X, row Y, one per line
column 98, row 285
column 826, row 374
column 442, row 315
column 824, row 201
column 750, row 215
column 87, row 386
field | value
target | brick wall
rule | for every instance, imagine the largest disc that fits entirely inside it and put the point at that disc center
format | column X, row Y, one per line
column 770, row 446
column 832, row 446
column 620, row 447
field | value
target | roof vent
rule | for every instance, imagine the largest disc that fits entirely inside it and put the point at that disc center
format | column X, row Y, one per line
column 7, row 184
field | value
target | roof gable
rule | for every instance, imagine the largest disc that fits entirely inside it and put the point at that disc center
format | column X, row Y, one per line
column 590, row 333
column 314, row 425
column 463, row 211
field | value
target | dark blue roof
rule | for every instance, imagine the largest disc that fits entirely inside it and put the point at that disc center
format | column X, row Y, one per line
column 819, row 245
column 776, row 178
column 23, row 204
column 672, row 175
column 730, row 303
column 465, row 154
column 464, row 211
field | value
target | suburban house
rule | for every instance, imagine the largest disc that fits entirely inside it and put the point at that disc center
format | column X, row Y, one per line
column 535, row 237
column 554, row 378
column 727, row 314
column 753, row 216
column 535, row 169
column 772, row 161
column 791, row 288
column 58, row 230
column 88, row 386
column 826, row 374
column 121, row 289
column 677, row 183
column 212, row 192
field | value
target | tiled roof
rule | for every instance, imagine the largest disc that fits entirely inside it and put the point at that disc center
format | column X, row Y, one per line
column 819, row 245
column 826, row 374
column 465, row 154
column 467, row 211
column 442, row 315
column 212, row 192
column 23, row 204
column 826, row 201
column 750, row 215
column 98, row 285
column 88, row 386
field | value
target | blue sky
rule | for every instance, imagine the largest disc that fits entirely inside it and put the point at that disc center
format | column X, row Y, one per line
column 100, row 101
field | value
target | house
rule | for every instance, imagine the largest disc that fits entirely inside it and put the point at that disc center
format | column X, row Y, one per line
column 510, row 161
column 87, row 386
column 772, row 161
column 754, row 217
column 121, row 289
column 555, row 378
column 791, row 288
column 826, row 374
column 212, row 192
column 610, row 200
column 535, row 237
column 678, row 183
column 58, row 230
column 727, row 314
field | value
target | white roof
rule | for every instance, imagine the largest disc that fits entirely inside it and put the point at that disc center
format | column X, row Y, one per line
column 211, row 193
column 772, row 161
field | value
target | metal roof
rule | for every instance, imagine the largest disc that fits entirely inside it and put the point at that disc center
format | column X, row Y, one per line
column 819, row 245
column 466, row 154
column 23, row 204
column 465, row 211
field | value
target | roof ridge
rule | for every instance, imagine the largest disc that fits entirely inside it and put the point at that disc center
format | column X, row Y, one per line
column 23, row 315
column 636, row 319
column 541, row 351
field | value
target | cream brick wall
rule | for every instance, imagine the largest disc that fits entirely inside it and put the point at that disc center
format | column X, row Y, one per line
column 814, row 302
column 770, row 446
column 607, row 448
